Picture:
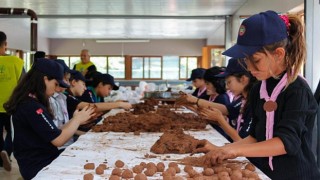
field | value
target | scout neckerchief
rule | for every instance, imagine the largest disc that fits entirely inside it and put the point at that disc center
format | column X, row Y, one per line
column 201, row 91
column 270, row 106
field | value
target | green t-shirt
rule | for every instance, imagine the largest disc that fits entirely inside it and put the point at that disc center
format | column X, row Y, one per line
column 10, row 71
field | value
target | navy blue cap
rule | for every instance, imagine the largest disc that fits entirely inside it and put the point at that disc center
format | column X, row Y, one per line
column 52, row 69
column 77, row 75
column 64, row 65
column 234, row 66
column 106, row 79
column 257, row 31
column 197, row 73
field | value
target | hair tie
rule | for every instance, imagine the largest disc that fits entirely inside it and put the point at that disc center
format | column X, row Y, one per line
column 285, row 19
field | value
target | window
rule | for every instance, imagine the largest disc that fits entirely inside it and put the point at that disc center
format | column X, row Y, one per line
column 187, row 64
column 100, row 63
column 170, row 68
column 116, row 67
column 146, row 67
column 113, row 65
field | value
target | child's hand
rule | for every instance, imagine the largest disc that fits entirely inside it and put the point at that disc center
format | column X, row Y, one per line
column 211, row 114
column 204, row 146
column 84, row 115
column 218, row 155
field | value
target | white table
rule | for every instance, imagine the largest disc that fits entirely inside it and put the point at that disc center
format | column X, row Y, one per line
column 112, row 146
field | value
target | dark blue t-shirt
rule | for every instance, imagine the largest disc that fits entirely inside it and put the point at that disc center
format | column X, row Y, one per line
column 201, row 96
column 234, row 111
column 33, row 132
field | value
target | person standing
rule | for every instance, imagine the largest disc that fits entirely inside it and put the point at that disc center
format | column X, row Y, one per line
column 11, row 68
column 85, row 65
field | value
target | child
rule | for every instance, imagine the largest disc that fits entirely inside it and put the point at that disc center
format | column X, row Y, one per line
column 199, row 83
column 239, row 81
column 282, row 103
column 77, row 89
column 36, row 137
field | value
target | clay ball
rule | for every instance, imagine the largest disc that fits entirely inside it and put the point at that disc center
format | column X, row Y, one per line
column 89, row 166
column 116, row 171
column 119, row 164
column 208, row 172
column 236, row 174
column 104, row 166
column 173, row 164
column 99, row 170
column 172, row 171
column 140, row 177
column 150, row 171
column 143, row 164
column 160, row 167
column 187, row 168
column 250, row 167
column 126, row 174
column 88, row 176
column 137, row 169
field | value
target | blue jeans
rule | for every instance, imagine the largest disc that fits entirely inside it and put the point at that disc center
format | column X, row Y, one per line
column 5, row 143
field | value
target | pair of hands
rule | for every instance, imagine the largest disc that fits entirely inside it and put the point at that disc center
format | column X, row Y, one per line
column 125, row 105
column 86, row 115
column 214, row 154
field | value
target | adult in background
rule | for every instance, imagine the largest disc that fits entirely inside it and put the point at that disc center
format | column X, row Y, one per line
column 10, row 72
column 85, row 65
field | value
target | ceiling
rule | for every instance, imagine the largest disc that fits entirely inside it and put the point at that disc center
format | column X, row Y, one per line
column 128, row 19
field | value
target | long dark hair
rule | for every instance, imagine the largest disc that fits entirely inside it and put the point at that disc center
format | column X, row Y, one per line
column 31, row 83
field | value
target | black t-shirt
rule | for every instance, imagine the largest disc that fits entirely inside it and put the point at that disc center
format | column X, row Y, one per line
column 72, row 103
column 293, row 124
column 201, row 96
column 33, row 132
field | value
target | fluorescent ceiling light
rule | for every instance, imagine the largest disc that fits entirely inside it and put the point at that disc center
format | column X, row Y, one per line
column 122, row 40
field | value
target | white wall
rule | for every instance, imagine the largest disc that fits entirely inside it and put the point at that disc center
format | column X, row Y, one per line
column 18, row 34
column 154, row 47
column 215, row 38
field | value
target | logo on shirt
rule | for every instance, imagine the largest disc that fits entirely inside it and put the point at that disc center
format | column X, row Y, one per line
column 39, row 111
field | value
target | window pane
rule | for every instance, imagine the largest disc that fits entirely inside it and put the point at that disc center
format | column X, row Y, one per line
column 146, row 67
column 183, row 68
column 137, row 68
column 100, row 63
column 66, row 60
column 116, row 67
column 192, row 64
column 170, row 67
column 74, row 60
column 155, row 67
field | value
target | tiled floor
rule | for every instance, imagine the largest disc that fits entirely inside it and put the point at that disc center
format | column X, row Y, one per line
column 14, row 174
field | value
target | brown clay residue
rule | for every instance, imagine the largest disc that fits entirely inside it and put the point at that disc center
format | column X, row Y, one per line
column 175, row 142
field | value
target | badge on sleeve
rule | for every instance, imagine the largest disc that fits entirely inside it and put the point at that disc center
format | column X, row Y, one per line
column 40, row 112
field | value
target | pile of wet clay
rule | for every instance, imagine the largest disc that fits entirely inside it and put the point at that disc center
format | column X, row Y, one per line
column 159, row 121
column 175, row 142
column 145, row 107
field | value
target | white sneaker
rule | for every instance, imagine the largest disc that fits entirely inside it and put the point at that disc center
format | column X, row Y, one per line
column 6, row 161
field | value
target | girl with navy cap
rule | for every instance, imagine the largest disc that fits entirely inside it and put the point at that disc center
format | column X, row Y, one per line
column 36, row 137
column 238, row 122
column 282, row 103
column 198, row 81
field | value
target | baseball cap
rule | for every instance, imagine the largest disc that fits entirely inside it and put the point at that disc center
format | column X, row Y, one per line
column 257, row 31
column 197, row 73
column 234, row 66
column 64, row 65
column 105, row 79
column 77, row 75
column 52, row 69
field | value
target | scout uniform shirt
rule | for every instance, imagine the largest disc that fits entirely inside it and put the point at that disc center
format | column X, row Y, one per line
column 33, row 130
